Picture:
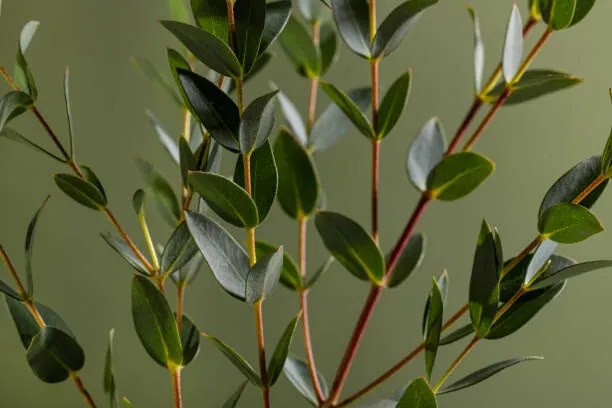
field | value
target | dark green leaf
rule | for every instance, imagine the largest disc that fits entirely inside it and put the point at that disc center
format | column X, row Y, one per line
column 237, row 360
column 81, row 191
column 188, row 161
column 484, row 282
column 425, row 153
column 119, row 245
column 479, row 52
column 442, row 283
column 250, row 17
column 226, row 198
column 298, row 374
column 179, row 250
column 418, row 395
column 568, row 223
column 227, row 260
column 290, row 275
column 263, row 277
column 434, row 327
column 353, row 22
column 162, row 192
column 395, row 27
column 29, row 248
column 190, row 340
column 11, row 134
column 583, row 7
column 410, row 259
column 484, row 374
column 393, row 105
column 277, row 16
column 298, row 181
column 300, row 49
column 12, row 105
column 257, row 123
column 109, row 384
column 328, row 46
column 177, row 61
column 264, row 178
column 54, row 354
column 457, row 335
column 232, row 401
column 151, row 72
column 549, row 279
column 8, row 291
column 558, row 13
column 23, row 75
column 458, row 175
column 351, row 245
column 513, row 46
column 277, row 361
column 211, row 16
column 208, row 48
column 155, row 323
column 91, row 177
column 350, row 109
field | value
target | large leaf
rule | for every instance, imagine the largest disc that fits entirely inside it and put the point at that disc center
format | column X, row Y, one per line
column 458, row 175
column 211, row 16
column 353, row 22
column 54, row 354
column 13, row 104
column 351, row 245
column 425, row 153
column 409, row 261
column 81, row 191
column 433, row 327
column 237, row 360
column 227, row 259
column 300, row 49
column 393, row 105
column 178, row 251
column 257, row 123
column 277, row 17
column 250, row 18
column 263, row 277
column 290, row 275
column 552, row 278
column 155, row 323
column 568, row 223
column 350, row 109
column 418, row 395
column 29, row 248
column 277, row 361
column 298, row 374
column 513, row 46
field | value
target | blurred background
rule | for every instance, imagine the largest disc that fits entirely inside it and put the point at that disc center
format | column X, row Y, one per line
column 82, row 279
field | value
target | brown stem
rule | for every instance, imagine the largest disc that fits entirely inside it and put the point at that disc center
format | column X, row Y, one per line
column 517, row 259
column 175, row 373
column 111, row 217
column 589, row 189
column 81, row 387
column 13, row 272
column 261, row 348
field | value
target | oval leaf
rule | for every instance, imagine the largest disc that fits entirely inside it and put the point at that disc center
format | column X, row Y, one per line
column 300, row 49
column 263, row 277
column 257, row 123
column 81, row 191
column 250, row 18
column 568, row 223
column 458, row 175
column 290, row 275
column 353, row 22
column 393, row 105
column 298, row 374
column 54, row 354
column 179, row 250
column 350, row 109
column 513, row 46
column 425, row 153
column 409, row 260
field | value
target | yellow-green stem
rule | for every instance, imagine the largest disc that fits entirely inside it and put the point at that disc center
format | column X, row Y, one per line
column 455, row 364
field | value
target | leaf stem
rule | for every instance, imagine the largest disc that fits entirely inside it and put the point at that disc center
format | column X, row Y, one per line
column 456, row 363
column 83, row 390
column 262, row 353
column 9, row 265
column 175, row 373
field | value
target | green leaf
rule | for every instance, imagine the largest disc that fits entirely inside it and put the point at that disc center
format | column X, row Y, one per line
column 109, row 384
column 443, row 283
column 11, row 134
column 397, row 24
column 559, row 14
column 290, row 275
column 418, row 395
column 409, row 260
column 298, row 374
column 300, row 49
column 523, row 311
column 312, row 279
column 479, row 52
column 232, row 401
column 120, row 246
column 484, row 282
column 572, row 183
column 250, row 17
column 165, row 139
column 583, row 7
column 393, row 105
column 351, row 245
column 333, row 123
column 484, row 374
column 458, row 175
column 298, row 181
column 227, row 260
column 217, row 111
column 187, row 274
column 54, row 354
column 190, row 340
column 263, row 277
column 550, row 279
column 457, row 335
column 29, row 248
column 309, row 9
column 162, row 192
column 151, row 72
column 211, row 16
column 91, row 177
column 568, row 223
column 293, row 119
column 353, row 22
column 179, row 250
column 237, row 360
column 188, row 161
column 264, row 178
column 277, row 361
column 208, row 48
column 155, row 323
column 81, row 191
column 328, row 46
column 13, row 104
column 350, row 109
column 606, row 158
column 226, row 198
column 277, row 17
column 513, row 46
column 23, row 74
column 257, row 123
column 426, row 151
column 434, row 327
column 177, row 61
column 8, row 291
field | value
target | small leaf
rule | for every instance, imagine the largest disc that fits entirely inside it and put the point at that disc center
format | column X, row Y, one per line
column 298, row 181
column 178, row 251
column 397, row 24
column 293, row 119
column 393, row 105
column 91, row 177
column 351, row 245
column 257, row 123
column 237, row 360
column 263, row 277
column 539, row 259
column 207, row 47
column 328, row 46
column 11, row 134
column 226, row 198
column 553, row 278
column 211, row 16
column 12, row 105
column 109, row 384
column 69, row 112
column 29, row 248
column 23, row 75
column 418, row 395
column 333, row 124
column 409, row 261
column 513, row 46
column 457, row 335
column 232, row 401
column 298, row 374
column 484, row 374
column 155, row 323
column 277, row 361
column 217, row 112
column 300, row 49
column 434, row 327
column 559, row 14
column 277, row 17
column 568, row 223
column 119, row 245
column 188, row 161
column 350, row 109
column 290, row 275
column 479, row 52
column 166, row 140
column 319, row 272
column 227, row 260
column 54, row 354
column 190, row 340
column 81, row 191
column 162, row 192
column 425, row 153
column 151, row 72
column 458, row 175
column 352, row 20
column 8, row 291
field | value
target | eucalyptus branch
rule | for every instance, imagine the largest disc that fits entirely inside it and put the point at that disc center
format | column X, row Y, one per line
column 455, row 364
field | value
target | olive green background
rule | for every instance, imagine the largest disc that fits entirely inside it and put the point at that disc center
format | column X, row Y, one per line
column 80, row 277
